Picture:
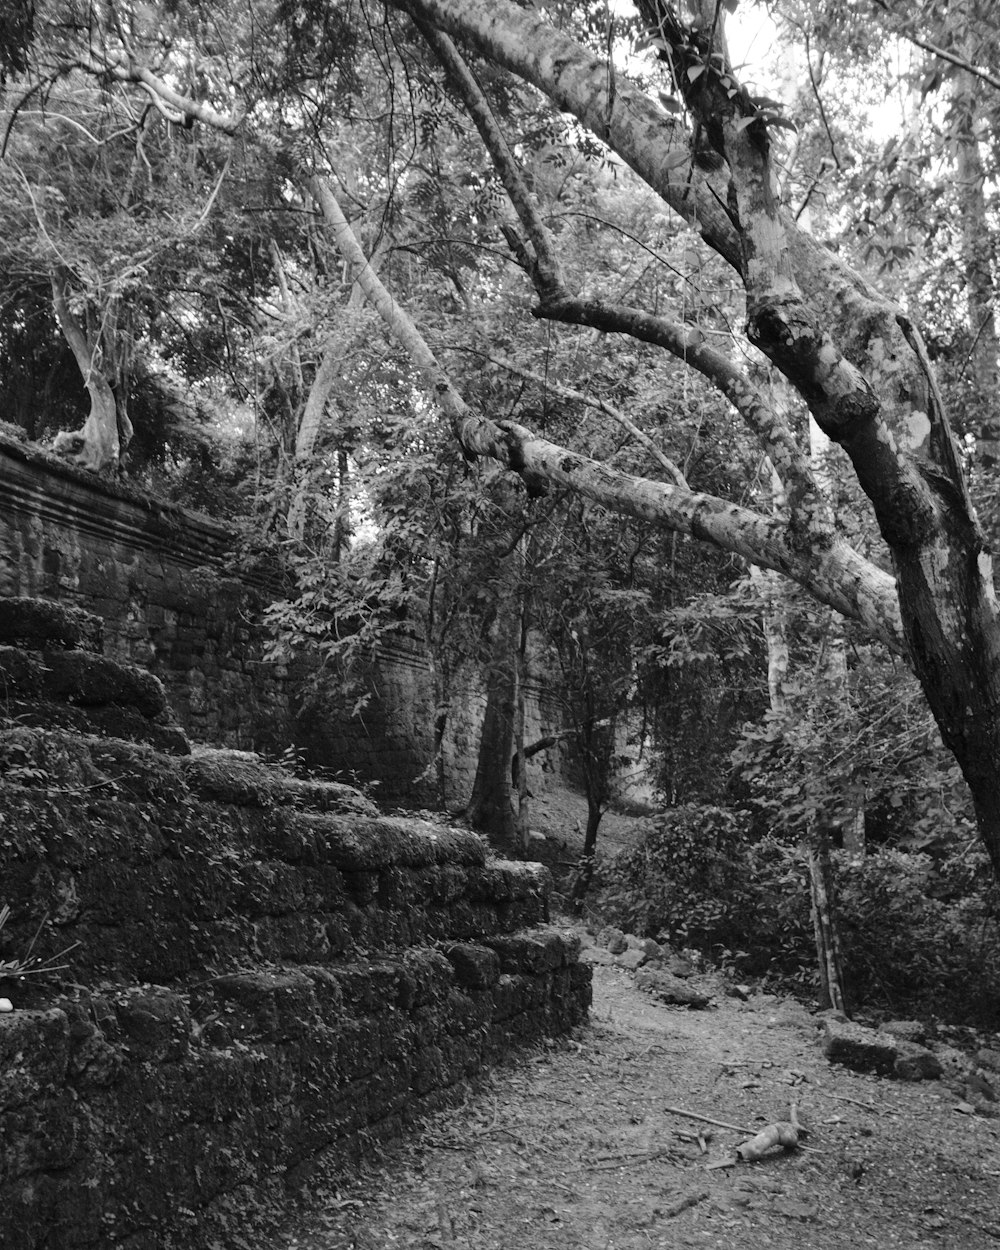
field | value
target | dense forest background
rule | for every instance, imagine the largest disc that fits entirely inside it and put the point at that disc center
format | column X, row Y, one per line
column 268, row 258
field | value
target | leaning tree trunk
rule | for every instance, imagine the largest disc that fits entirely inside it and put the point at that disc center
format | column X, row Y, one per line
column 854, row 356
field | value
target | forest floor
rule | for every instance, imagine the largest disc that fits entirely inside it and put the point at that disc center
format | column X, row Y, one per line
column 574, row 1145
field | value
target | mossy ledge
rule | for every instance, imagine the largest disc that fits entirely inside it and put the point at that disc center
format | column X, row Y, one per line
column 264, row 975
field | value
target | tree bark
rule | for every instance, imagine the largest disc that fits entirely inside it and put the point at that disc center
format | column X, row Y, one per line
column 491, row 807
column 823, row 912
column 854, row 356
column 97, row 445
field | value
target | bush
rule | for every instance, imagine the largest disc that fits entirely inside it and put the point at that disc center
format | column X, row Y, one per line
column 919, row 934
column 683, row 879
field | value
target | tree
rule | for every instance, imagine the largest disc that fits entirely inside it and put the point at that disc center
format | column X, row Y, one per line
column 857, row 359
column 710, row 150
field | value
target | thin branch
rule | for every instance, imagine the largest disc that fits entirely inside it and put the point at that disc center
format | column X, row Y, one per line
column 834, row 573
column 546, row 273
column 567, row 392
column 819, row 104
column 951, row 57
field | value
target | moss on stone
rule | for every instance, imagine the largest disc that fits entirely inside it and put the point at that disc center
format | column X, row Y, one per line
column 95, row 681
column 38, row 623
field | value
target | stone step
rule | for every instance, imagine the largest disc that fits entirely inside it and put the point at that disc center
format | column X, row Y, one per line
column 36, row 624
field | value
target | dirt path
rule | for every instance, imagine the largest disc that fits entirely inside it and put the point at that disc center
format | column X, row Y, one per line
column 572, row 1149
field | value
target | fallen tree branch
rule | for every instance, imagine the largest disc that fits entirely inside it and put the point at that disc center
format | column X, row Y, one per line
column 693, row 1115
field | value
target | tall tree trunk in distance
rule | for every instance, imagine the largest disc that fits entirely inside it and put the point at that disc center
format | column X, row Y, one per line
column 830, row 693
column 773, row 592
column 832, row 677
column 329, row 372
column 824, row 913
column 523, row 797
column 815, row 848
column 596, row 798
column 491, row 807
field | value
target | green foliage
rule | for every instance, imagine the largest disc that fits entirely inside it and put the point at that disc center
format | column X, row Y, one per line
column 28, row 964
column 919, row 934
column 918, row 931
column 872, row 744
column 684, row 878
column 340, row 613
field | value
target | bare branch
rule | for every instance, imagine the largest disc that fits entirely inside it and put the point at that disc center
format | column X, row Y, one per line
column 567, row 392
column 951, row 57
column 835, row 573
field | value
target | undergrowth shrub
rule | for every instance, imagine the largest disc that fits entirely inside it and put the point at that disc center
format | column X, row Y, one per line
column 923, row 933
column 683, row 879
column 920, row 934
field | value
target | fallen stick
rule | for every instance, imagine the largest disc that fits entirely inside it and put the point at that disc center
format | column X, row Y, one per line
column 693, row 1115
column 867, row 1106
column 642, row 1156
column 737, row 1128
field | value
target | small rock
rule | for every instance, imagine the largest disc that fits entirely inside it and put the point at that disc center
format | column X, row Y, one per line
column 613, row 939
column 679, row 965
column 978, row 1087
column 631, row 959
column 6, row 1005
column 830, row 1013
column 596, row 955
column 907, row 1030
column 858, row 1048
column 796, row 1209
column 987, row 1058
column 915, row 1063
column 670, row 989
column 953, row 1061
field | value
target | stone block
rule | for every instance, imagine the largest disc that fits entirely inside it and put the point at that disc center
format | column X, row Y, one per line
column 863, row 1050
column 34, row 1055
column 905, row 1030
column 613, row 940
column 272, row 1005
column 37, row 623
column 21, row 674
column 670, row 989
column 476, row 967
column 988, row 1058
column 95, row 680
column 155, row 1023
column 915, row 1063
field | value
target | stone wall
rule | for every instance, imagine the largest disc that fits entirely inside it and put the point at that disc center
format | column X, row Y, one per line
column 249, row 974
column 160, row 578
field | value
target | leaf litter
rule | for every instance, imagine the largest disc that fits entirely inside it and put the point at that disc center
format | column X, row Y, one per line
column 602, row 1141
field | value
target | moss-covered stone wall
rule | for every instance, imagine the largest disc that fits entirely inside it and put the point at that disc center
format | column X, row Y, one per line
column 247, row 973
column 161, row 580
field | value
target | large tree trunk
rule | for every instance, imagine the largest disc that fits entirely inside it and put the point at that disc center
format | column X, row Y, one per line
column 853, row 355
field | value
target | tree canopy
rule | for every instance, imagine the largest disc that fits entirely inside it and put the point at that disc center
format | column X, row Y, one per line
column 577, row 240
